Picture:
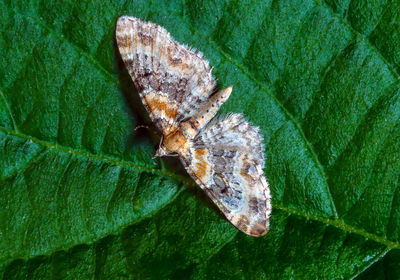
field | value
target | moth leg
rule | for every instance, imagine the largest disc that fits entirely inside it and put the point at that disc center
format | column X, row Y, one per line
column 142, row 126
column 149, row 128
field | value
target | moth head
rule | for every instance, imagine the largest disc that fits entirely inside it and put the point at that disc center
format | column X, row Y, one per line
column 170, row 144
column 162, row 151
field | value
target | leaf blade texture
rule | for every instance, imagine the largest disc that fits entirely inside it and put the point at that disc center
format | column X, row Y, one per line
column 81, row 197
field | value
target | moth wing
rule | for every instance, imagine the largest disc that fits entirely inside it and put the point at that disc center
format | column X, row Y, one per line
column 226, row 159
column 173, row 80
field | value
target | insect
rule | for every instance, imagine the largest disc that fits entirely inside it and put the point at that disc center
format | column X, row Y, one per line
column 224, row 155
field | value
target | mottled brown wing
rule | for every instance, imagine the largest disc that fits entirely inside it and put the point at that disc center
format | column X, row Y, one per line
column 226, row 159
column 173, row 81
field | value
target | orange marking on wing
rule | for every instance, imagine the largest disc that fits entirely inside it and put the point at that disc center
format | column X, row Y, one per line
column 161, row 106
column 200, row 152
column 201, row 168
column 201, row 164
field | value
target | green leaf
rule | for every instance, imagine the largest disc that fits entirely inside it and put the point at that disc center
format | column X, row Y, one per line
column 80, row 196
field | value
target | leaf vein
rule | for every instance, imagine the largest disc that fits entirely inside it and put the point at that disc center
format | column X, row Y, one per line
column 73, row 45
column 341, row 225
column 370, row 263
column 9, row 111
column 392, row 69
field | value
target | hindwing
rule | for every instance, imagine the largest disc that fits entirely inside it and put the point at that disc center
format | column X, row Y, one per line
column 226, row 159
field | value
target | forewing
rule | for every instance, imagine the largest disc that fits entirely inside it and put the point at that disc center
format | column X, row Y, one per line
column 172, row 80
column 226, row 159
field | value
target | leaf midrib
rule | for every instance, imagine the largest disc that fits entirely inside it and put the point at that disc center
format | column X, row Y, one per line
column 99, row 157
column 188, row 182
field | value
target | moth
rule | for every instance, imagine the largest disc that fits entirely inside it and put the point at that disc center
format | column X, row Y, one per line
column 224, row 155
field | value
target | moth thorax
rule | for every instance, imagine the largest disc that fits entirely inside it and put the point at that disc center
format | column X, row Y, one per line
column 174, row 141
column 189, row 128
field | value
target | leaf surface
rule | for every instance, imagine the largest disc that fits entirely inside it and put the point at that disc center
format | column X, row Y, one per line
column 80, row 196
